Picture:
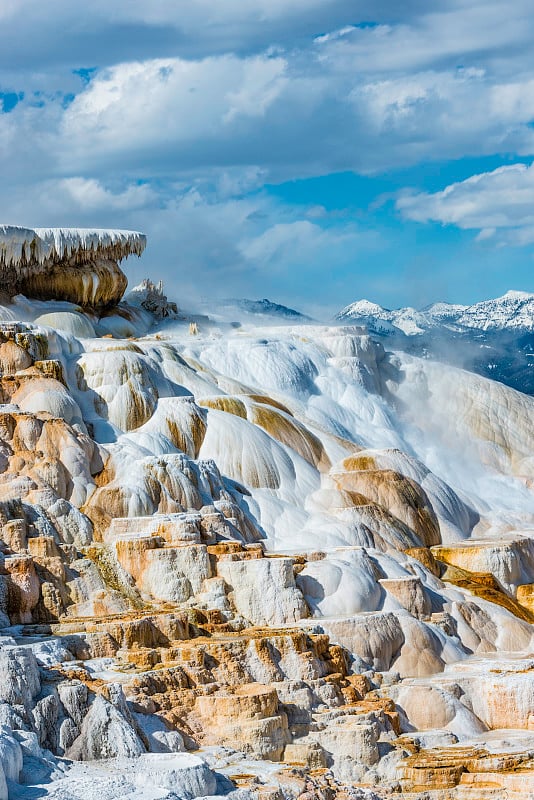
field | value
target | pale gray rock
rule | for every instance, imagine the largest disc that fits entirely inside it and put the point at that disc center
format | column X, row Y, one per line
column 188, row 775
column 159, row 738
column 105, row 734
column 427, row 707
column 73, row 696
column 45, row 717
column 352, row 746
column 213, row 595
column 19, row 676
column 10, row 755
column 9, row 718
column 51, row 651
column 73, row 526
column 376, row 638
column 4, row 618
column 264, row 590
column 29, row 743
column 410, row 593
column 116, row 697
column 175, row 573
column 68, row 733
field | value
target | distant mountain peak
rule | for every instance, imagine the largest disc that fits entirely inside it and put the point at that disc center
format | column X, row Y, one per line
column 264, row 307
column 363, row 305
column 514, row 294
column 514, row 310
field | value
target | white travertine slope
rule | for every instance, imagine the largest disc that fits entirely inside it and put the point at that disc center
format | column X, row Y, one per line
column 282, row 540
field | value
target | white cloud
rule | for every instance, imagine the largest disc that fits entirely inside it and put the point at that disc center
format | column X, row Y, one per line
column 474, row 32
column 294, row 241
column 262, row 83
column 102, row 33
column 168, row 103
column 499, row 204
column 289, row 116
column 435, row 86
column 90, row 195
column 195, row 105
column 74, row 202
column 370, row 100
column 304, row 246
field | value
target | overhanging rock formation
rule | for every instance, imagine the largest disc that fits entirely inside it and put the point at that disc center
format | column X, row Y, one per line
column 74, row 264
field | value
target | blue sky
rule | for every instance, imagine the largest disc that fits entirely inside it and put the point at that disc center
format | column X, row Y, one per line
column 311, row 151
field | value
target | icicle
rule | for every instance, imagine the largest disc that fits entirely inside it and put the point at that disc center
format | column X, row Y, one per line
column 25, row 246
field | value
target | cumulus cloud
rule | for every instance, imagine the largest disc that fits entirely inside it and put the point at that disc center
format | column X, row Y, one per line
column 365, row 98
column 89, row 195
column 301, row 243
column 369, row 98
column 74, row 202
column 188, row 109
column 171, row 107
column 295, row 112
column 289, row 115
column 498, row 204
column 448, row 36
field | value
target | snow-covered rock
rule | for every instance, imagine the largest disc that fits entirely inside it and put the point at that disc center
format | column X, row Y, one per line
column 513, row 310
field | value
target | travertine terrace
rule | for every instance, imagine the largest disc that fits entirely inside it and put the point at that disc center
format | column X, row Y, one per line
column 252, row 563
column 72, row 264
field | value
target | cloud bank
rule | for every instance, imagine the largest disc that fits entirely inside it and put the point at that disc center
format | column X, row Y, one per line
column 500, row 204
column 177, row 117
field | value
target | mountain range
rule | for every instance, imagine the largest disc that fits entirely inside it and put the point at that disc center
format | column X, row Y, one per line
column 513, row 311
column 494, row 338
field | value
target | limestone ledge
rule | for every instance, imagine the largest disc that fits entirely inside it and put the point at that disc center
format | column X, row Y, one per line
column 76, row 265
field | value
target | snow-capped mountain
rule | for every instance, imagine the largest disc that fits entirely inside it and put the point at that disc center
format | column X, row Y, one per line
column 514, row 310
column 494, row 337
column 444, row 311
column 382, row 320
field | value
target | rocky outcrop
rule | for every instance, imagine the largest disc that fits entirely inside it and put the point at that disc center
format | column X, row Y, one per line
column 76, row 265
column 150, row 296
column 96, row 283
column 105, row 733
column 510, row 561
column 264, row 590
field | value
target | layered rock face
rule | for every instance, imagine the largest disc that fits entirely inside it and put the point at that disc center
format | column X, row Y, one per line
column 255, row 564
column 76, row 265
column 98, row 282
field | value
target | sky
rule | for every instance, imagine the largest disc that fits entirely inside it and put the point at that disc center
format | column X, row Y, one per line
column 314, row 152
